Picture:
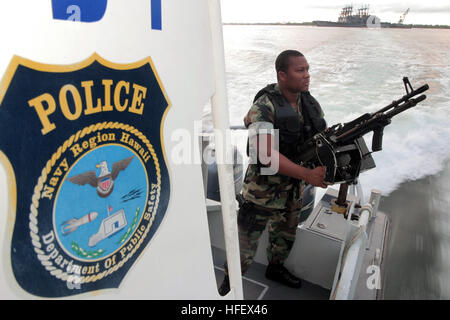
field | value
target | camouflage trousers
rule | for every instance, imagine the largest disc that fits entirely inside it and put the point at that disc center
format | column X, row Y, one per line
column 282, row 228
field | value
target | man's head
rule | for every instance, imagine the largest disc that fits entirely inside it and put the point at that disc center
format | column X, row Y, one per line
column 292, row 71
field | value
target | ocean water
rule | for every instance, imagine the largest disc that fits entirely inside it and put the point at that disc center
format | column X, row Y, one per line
column 354, row 71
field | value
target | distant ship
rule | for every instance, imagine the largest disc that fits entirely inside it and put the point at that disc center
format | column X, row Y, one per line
column 362, row 20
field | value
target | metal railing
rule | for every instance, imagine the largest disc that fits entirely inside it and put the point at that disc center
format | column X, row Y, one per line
column 353, row 250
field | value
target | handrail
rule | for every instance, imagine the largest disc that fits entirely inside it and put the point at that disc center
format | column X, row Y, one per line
column 351, row 259
column 352, row 252
column 220, row 117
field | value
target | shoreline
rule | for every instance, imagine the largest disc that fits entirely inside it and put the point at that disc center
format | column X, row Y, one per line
column 413, row 26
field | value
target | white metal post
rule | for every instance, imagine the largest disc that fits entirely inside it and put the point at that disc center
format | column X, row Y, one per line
column 375, row 197
column 220, row 116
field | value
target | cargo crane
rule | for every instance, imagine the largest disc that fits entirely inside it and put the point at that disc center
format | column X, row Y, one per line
column 345, row 13
column 402, row 17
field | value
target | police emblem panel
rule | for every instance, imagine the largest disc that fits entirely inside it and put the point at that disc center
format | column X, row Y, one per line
column 85, row 145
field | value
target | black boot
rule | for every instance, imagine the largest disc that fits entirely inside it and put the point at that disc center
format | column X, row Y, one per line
column 277, row 272
column 225, row 286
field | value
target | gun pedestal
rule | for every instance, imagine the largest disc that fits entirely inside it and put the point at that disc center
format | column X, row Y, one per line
column 341, row 205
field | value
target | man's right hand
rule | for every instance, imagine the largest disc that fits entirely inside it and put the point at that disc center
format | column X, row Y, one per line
column 285, row 166
column 316, row 177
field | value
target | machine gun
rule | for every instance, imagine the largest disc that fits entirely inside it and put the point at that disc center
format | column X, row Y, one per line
column 341, row 148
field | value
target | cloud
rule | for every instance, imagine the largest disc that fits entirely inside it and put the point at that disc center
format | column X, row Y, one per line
column 427, row 9
column 421, row 12
column 325, row 7
column 396, row 7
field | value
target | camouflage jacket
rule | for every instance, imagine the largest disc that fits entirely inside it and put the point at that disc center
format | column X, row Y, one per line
column 270, row 191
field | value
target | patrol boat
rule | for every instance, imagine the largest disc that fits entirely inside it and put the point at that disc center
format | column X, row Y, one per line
column 106, row 80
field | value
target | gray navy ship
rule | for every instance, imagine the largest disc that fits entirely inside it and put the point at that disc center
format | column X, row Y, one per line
column 362, row 19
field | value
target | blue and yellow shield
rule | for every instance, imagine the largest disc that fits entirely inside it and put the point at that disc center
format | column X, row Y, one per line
column 89, row 185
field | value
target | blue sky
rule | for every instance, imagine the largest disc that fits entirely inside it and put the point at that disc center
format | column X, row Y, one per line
column 421, row 12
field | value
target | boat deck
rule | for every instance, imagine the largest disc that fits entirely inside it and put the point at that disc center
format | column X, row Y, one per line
column 257, row 287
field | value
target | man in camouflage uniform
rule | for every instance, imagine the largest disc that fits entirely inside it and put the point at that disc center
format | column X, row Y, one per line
column 276, row 199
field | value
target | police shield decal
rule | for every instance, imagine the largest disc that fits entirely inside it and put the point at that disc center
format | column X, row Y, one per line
column 84, row 142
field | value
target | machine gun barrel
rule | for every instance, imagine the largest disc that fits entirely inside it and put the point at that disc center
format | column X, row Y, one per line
column 378, row 120
column 395, row 104
column 341, row 148
column 406, row 97
column 411, row 103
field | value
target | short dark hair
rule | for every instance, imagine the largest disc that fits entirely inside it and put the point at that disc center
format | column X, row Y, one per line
column 282, row 62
